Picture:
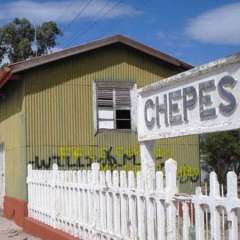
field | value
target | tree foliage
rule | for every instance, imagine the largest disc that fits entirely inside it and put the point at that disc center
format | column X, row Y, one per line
column 46, row 37
column 17, row 39
column 221, row 151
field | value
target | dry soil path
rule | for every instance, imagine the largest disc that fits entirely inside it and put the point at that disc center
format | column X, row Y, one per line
column 8, row 230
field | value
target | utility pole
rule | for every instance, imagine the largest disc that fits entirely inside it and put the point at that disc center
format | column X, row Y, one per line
column 35, row 38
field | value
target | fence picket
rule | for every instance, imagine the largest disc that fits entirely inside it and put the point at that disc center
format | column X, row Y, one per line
column 72, row 200
column 141, row 207
column 68, row 200
column 103, row 206
column 215, row 215
column 75, row 204
column 160, row 208
column 171, row 189
column 109, row 202
column 132, row 205
column 199, row 215
column 80, row 203
column 53, row 199
column 150, row 207
column 95, row 181
column 85, row 200
column 64, row 201
column 232, row 194
column 58, row 200
column 124, row 207
column 47, row 192
column 89, row 205
column 41, row 202
column 116, row 202
column 30, row 191
column 186, row 221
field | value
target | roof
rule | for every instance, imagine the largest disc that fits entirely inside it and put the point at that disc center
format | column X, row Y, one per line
column 5, row 75
column 38, row 61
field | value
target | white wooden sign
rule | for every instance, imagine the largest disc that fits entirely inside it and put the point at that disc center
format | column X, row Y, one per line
column 203, row 99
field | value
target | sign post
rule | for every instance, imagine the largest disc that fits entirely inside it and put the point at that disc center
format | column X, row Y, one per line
column 201, row 100
column 148, row 163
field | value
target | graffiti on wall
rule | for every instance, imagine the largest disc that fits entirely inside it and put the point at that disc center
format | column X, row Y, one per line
column 112, row 159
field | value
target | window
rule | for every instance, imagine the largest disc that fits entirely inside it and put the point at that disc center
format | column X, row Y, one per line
column 113, row 104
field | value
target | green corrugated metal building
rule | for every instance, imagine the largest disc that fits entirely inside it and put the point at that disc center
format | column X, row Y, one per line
column 49, row 110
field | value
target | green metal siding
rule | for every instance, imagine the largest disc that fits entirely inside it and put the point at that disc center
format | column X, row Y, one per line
column 12, row 135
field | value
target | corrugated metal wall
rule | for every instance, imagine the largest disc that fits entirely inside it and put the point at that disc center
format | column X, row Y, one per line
column 59, row 106
column 12, row 135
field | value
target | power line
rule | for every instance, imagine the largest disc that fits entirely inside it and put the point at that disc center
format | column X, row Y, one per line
column 97, row 13
column 83, row 8
column 118, row 21
column 66, row 9
column 91, row 25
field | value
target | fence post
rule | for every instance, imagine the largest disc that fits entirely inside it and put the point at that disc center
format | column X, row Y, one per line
column 147, row 163
column 54, row 200
column 148, row 171
column 171, row 190
column 215, row 216
column 232, row 195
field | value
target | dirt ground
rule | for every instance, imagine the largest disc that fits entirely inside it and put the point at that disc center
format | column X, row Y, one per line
column 8, row 230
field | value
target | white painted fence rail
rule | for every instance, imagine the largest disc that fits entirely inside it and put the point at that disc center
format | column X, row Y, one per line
column 92, row 204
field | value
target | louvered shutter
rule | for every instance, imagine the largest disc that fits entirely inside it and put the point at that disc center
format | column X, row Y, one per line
column 105, row 104
column 104, row 97
column 123, row 99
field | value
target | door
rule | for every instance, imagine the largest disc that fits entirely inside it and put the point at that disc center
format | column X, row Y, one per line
column 2, row 175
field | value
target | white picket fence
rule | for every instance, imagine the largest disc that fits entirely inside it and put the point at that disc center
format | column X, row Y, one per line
column 92, row 204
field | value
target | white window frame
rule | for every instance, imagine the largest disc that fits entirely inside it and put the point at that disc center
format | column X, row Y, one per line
column 133, row 111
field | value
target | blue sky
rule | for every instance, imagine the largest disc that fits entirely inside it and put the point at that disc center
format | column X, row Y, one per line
column 194, row 31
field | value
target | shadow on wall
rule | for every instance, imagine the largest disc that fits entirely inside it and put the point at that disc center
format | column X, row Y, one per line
column 11, row 99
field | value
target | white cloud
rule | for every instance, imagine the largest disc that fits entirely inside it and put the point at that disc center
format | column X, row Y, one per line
column 64, row 11
column 220, row 26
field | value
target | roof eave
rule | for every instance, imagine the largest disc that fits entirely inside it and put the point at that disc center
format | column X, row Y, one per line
column 5, row 75
column 38, row 61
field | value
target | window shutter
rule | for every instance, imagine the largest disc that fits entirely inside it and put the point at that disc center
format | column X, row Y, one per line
column 104, row 97
column 123, row 98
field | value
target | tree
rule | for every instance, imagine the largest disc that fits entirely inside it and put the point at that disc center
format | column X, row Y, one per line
column 221, row 152
column 17, row 39
column 46, row 37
